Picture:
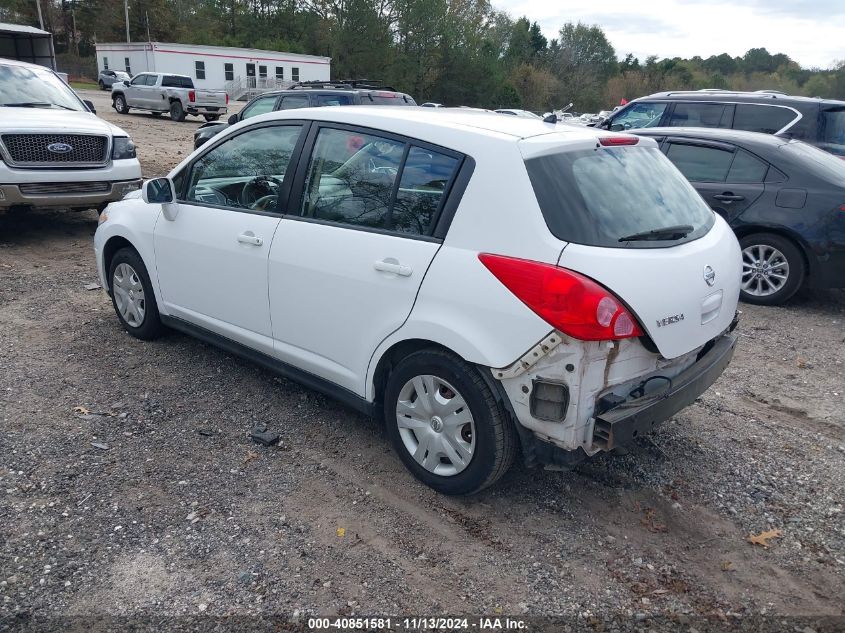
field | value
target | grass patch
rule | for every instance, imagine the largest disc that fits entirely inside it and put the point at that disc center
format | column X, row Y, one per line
column 84, row 85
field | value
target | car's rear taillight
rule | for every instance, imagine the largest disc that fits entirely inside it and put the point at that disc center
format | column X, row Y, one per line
column 192, row 96
column 227, row 98
column 566, row 300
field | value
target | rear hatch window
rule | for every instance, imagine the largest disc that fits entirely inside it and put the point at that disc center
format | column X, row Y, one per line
column 618, row 197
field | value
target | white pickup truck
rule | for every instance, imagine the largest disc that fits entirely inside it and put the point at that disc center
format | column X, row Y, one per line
column 164, row 92
column 54, row 150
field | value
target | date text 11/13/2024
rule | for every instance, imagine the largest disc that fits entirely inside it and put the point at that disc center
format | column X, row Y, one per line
column 417, row 624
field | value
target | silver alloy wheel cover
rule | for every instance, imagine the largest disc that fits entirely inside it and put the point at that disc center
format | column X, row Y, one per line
column 431, row 425
column 765, row 270
column 129, row 295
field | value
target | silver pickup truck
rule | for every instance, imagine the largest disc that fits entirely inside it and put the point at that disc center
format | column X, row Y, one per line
column 163, row 92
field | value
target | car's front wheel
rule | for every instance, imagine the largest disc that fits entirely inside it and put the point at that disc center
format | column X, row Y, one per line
column 772, row 269
column 446, row 424
column 132, row 295
column 102, row 85
column 120, row 104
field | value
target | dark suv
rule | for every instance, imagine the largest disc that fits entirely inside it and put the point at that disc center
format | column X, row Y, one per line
column 310, row 94
column 820, row 122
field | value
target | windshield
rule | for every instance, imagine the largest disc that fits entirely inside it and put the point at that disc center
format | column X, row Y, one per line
column 598, row 197
column 24, row 87
column 833, row 126
column 824, row 165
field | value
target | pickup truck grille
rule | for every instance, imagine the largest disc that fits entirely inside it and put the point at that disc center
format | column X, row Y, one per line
column 56, row 150
column 59, row 188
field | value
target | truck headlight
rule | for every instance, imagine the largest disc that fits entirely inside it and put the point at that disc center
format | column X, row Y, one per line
column 123, row 147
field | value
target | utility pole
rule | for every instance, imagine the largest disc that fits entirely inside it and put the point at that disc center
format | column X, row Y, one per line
column 40, row 17
column 126, row 13
column 147, row 15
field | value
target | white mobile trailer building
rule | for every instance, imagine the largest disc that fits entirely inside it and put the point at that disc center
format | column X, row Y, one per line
column 237, row 70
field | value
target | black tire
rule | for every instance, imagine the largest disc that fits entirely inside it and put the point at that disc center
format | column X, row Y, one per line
column 211, row 117
column 102, row 85
column 495, row 437
column 790, row 264
column 119, row 103
column 150, row 327
column 176, row 111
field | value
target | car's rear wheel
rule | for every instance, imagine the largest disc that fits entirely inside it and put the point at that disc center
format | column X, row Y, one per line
column 132, row 295
column 445, row 423
column 211, row 117
column 772, row 269
column 176, row 111
column 120, row 104
column 102, row 85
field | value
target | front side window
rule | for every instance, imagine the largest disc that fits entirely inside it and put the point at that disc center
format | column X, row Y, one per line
column 294, row 74
column 246, row 171
column 294, row 102
column 229, row 71
column 199, row 70
column 262, row 105
column 762, row 118
column 598, row 197
column 701, row 115
column 699, row 163
column 360, row 179
column 139, row 80
column 639, row 115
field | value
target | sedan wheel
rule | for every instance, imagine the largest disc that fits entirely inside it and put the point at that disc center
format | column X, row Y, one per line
column 772, row 269
column 129, row 295
column 436, row 425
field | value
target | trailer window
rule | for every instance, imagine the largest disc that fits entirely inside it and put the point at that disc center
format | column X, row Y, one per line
column 229, row 71
column 280, row 73
column 294, row 74
column 128, row 67
column 199, row 70
column 105, row 63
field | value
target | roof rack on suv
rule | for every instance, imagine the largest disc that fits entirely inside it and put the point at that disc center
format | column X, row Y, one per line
column 343, row 84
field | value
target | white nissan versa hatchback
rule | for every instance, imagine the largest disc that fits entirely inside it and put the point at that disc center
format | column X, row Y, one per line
column 483, row 283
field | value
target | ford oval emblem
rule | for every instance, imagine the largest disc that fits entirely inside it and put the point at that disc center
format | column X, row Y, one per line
column 59, row 148
column 709, row 275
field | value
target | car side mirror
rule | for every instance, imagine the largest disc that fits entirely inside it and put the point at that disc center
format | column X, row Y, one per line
column 233, row 119
column 617, row 127
column 160, row 191
column 90, row 106
column 552, row 118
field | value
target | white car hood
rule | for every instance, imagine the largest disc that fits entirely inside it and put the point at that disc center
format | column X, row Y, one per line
column 55, row 120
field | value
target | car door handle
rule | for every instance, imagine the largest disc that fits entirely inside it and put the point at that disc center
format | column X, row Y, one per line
column 249, row 238
column 728, row 197
column 390, row 265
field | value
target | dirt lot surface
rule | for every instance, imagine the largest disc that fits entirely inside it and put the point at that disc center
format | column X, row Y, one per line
column 129, row 485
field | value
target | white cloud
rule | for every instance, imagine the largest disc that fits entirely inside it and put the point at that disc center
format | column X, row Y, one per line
column 685, row 28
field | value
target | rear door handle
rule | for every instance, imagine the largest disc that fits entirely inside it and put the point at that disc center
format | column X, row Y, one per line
column 249, row 237
column 390, row 265
column 728, row 197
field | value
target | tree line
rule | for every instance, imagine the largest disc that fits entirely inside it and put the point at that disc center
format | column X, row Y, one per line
column 457, row 52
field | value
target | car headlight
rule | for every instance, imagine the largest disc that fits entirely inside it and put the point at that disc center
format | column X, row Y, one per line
column 123, row 148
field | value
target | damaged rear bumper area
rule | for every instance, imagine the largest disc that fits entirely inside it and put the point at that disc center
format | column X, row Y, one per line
column 620, row 424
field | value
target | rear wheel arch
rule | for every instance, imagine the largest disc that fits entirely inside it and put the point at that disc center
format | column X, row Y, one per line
column 752, row 229
column 393, row 355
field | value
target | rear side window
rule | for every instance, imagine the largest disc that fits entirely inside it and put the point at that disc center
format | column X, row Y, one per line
column 833, row 130
column 385, row 98
column 334, row 100
column 364, row 180
column 762, row 118
column 596, row 197
column 699, row 163
column 822, row 164
column 747, row 168
column 701, row 115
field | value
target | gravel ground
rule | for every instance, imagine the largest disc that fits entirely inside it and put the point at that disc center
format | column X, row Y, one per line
column 129, row 485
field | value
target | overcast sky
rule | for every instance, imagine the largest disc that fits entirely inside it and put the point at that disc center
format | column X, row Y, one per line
column 809, row 31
